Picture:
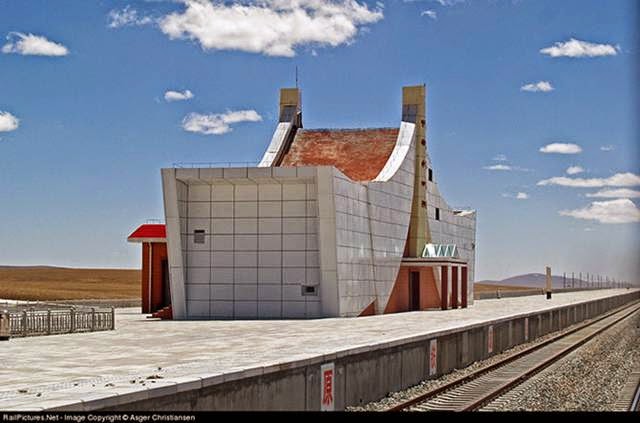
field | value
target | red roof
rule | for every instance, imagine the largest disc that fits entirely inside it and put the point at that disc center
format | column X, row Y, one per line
column 149, row 231
column 358, row 153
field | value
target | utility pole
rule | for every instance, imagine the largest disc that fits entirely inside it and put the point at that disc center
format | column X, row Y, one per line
column 548, row 283
column 587, row 283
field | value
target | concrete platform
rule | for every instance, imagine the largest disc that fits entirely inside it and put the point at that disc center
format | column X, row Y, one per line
column 145, row 359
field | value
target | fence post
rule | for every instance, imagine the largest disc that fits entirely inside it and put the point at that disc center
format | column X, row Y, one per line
column 48, row 322
column 5, row 326
column 93, row 319
column 113, row 318
column 72, row 313
column 24, row 322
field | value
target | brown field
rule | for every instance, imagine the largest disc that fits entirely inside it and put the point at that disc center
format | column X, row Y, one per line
column 56, row 283
column 482, row 287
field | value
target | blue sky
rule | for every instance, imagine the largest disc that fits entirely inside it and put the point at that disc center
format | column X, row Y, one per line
column 85, row 126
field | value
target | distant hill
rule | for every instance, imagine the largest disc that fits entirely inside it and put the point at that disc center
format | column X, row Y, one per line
column 532, row 280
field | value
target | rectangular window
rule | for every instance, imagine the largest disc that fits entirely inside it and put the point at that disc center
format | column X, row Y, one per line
column 430, row 175
column 198, row 236
column 437, row 213
column 309, row 290
column 409, row 112
column 288, row 112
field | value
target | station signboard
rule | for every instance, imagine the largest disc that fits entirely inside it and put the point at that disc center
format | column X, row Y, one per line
column 327, row 378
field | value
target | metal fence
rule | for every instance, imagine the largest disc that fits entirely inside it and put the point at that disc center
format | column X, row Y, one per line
column 53, row 322
column 502, row 293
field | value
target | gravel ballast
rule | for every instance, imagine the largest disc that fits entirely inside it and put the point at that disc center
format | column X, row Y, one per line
column 607, row 360
column 588, row 379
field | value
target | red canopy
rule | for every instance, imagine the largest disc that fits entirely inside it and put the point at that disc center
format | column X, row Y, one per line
column 149, row 233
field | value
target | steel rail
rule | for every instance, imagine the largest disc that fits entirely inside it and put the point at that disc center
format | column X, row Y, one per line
column 506, row 385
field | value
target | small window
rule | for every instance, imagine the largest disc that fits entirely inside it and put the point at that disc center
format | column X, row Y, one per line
column 198, row 236
column 309, row 290
column 288, row 112
column 409, row 112
column 437, row 213
column 430, row 175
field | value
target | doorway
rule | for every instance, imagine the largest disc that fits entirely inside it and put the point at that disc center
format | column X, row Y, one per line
column 166, row 293
column 414, row 291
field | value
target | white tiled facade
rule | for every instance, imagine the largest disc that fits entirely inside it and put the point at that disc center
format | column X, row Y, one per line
column 269, row 232
column 453, row 227
column 273, row 242
column 372, row 220
column 260, row 244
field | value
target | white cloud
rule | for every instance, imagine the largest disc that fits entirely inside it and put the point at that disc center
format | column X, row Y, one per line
column 449, row 2
column 177, row 95
column 577, row 48
column 8, row 122
column 574, row 170
column 614, row 211
column 517, row 196
column 32, row 45
column 430, row 13
column 618, row 180
column 218, row 124
column 506, row 167
column 270, row 27
column 561, row 148
column 127, row 17
column 543, row 86
column 498, row 167
column 607, row 147
column 500, row 158
column 615, row 193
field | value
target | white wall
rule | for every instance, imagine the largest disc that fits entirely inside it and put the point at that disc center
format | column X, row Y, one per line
column 372, row 221
column 271, row 230
column 260, row 243
column 452, row 229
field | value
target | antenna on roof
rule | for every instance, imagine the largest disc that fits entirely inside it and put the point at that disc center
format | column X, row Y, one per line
column 296, row 76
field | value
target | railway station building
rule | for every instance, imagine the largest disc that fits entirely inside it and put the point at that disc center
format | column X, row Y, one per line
column 330, row 223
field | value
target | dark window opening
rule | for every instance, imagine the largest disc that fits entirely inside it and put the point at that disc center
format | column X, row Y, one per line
column 309, row 290
column 409, row 112
column 437, row 213
column 288, row 112
column 198, row 236
column 430, row 175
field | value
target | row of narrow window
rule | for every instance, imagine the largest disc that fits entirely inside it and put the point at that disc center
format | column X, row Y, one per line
column 431, row 180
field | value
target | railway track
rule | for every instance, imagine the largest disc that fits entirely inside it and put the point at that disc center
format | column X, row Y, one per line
column 635, row 403
column 477, row 389
column 629, row 399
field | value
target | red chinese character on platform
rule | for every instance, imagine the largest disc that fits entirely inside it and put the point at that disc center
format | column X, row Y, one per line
column 327, row 396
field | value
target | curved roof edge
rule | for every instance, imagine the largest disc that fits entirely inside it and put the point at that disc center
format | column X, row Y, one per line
column 399, row 153
column 277, row 146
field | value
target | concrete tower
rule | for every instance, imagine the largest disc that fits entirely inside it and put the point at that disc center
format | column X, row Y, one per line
column 414, row 111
